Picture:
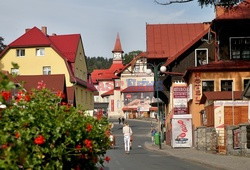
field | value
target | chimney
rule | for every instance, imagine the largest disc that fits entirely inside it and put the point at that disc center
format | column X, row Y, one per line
column 27, row 29
column 44, row 30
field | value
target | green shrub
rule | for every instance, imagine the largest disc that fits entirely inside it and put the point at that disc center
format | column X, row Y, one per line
column 38, row 132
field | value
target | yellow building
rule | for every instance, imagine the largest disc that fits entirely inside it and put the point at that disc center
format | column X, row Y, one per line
column 38, row 53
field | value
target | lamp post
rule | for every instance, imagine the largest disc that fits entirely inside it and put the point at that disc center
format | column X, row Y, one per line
column 156, row 77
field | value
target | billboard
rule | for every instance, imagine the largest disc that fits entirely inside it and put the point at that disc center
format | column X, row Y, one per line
column 182, row 131
column 180, row 99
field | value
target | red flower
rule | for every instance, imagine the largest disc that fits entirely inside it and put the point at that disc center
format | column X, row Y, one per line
column 78, row 147
column 26, row 98
column 6, row 95
column 41, row 85
column 88, row 143
column 4, row 146
column 17, row 134
column 89, row 127
column 99, row 116
column 107, row 159
column 60, row 94
column 101, row 168
column 19, row 96
column 39, row 140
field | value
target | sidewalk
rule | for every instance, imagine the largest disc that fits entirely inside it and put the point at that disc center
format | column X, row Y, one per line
column 216, row 161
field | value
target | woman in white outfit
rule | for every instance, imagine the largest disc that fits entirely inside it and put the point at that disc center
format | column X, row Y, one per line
column 127, row 132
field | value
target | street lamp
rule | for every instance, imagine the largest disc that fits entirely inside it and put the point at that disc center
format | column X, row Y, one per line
column 156, row 74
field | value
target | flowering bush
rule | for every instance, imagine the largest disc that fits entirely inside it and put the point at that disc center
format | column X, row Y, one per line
column 37, row 132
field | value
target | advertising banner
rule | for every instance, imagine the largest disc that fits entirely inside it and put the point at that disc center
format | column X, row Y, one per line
column 180, row 100
column 182, row 131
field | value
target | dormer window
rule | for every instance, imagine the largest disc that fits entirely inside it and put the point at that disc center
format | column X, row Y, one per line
column 40, row 52
column 20, row 52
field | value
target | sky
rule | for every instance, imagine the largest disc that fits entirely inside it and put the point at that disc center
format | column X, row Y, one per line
column 98, row 21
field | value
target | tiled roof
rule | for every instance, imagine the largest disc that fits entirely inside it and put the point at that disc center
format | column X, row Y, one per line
column 166, row 40
column 65, row 45
column 53, row 82
column 108, row 93
column 138, row 89
column 220, row 95
column 107, row 74
column 230, row 65
column 118, row 46
column 241, row 11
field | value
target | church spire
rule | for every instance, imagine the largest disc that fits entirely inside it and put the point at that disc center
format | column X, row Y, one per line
column 118, row 46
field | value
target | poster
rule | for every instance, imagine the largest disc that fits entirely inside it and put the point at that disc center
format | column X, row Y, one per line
column 182, row 131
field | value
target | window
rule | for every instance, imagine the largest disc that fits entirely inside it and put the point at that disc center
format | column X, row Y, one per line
column 46, row 70
column 201, row 57
column 40, row 52
column 207, row 86
column 240, row 47
column 14, row 71
column 20, row 52
column 226, row 85
column 245, row 83
column 137, row 68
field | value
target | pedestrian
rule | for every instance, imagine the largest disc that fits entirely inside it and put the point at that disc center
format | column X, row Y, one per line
column 153, row 132
column 123, row 120
column 127, row 132
column 119, row 119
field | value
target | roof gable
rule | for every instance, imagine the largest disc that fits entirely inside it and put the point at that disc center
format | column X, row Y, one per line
column 165, row 40
column 33, row 37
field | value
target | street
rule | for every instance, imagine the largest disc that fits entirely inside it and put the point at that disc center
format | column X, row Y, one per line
column 140, row 158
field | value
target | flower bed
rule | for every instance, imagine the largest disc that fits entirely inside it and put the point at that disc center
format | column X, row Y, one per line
column 38, row 132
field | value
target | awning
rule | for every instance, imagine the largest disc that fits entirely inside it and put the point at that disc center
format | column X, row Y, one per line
column 138, row 89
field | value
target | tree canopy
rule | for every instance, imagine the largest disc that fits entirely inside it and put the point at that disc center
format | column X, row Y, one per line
column 202, row 3
column 2, row 46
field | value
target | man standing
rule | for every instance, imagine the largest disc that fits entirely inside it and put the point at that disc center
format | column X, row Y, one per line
column 127, row 132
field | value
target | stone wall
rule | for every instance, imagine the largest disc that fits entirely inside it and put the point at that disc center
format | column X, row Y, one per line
column 242, row 150
column 205, row 139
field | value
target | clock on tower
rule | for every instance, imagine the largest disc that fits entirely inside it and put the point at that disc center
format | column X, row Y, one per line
column 117, row 56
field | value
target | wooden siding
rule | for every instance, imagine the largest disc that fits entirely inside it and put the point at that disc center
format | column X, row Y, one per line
column 240, row 115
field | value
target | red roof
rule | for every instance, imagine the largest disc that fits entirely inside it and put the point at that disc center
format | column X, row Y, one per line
column 241, row 11
column 118, row 46
column 53, row 82
column 107, row 74
column 108, row 93
column 138, row 89
column 220, row 95
column 65, row 45
column 166, row 40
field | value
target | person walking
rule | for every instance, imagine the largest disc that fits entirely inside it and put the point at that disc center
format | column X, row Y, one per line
column 123, row 119
column 127, row 132
column 153, row 131
column 119, row 120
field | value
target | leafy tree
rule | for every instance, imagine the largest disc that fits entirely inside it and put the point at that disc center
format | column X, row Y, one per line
column 128, row 57
column 2, row 46
column 98, row 63
column 202, row 3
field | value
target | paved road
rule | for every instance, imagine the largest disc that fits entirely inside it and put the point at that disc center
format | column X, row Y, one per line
column 140, row 158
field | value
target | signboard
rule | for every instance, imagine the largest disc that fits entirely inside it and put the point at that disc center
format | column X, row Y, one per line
column 112, row 105
column 182, row 130
column 236, row 133
column 180, row 94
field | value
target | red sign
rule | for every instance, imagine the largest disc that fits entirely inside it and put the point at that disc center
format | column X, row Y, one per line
column 112, row 105
column 128, row 96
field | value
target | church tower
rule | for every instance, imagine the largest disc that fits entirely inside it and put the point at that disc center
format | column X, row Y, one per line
column 117, row 52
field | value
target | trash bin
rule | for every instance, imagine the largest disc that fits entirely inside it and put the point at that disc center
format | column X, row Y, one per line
column 157, row 138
